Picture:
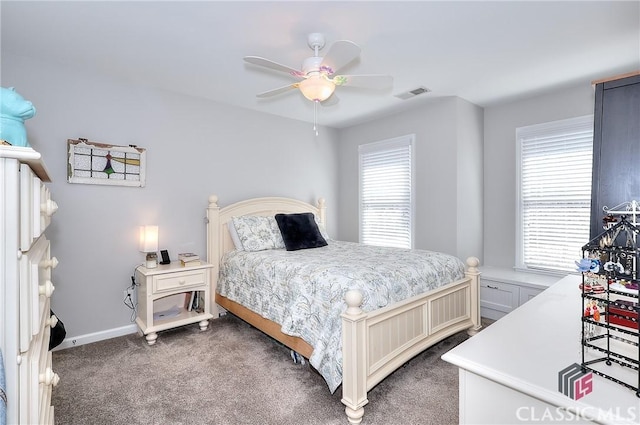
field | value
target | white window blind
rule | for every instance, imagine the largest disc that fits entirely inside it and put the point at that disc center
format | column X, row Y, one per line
column 554, row 193
column 386, row 194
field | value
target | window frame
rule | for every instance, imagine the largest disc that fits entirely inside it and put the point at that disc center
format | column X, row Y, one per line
column 381, row 146
column 565, row 125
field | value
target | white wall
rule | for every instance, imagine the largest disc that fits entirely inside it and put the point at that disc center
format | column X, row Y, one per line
column 448, row 137
column 194, row 148
column 470, row 190
column 500, row 123
column 465, row 197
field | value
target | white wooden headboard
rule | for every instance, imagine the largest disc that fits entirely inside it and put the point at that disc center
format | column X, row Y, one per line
column 218, row 238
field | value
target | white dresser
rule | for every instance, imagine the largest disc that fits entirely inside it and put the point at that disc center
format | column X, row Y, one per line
column 509, row 372
column 26, row 287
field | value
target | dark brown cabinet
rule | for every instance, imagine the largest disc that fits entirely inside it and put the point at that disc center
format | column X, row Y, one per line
column 616, row 147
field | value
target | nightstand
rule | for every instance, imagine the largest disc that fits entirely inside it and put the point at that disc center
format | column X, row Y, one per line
column 166, row 280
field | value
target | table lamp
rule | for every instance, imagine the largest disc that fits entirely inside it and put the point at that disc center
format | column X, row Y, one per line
column 149, row 244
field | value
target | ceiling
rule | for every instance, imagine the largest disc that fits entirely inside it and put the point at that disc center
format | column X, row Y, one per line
column 484, row 52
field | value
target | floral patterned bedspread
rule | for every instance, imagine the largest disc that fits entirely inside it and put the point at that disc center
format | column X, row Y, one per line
column 304, row 290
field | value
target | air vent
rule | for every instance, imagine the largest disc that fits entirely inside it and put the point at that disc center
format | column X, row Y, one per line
column 412, row 93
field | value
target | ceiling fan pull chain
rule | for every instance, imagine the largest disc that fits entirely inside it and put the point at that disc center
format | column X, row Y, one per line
column 315, row 116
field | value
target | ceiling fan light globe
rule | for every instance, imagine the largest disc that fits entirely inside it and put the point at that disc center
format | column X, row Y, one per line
column 317, row 88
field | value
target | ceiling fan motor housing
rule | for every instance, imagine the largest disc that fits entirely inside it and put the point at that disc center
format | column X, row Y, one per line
column 312, row 65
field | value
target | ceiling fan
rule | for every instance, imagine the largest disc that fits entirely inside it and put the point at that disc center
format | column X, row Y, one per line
column 317, row 80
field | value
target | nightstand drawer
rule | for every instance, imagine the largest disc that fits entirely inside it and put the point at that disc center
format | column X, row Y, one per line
column 173, row 281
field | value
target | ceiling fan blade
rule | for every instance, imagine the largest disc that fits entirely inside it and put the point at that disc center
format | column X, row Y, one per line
column 256, row 60
column 339, row 54
column 379, row 82
column 277, row 91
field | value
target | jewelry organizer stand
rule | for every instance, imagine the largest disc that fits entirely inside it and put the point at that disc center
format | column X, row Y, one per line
column 630, row 208
column 610, row 332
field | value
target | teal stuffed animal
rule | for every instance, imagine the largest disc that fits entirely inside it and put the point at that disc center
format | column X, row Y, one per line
column 14, row 109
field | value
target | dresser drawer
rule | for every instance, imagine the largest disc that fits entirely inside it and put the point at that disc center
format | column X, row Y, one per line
column 46, row 389
column 38, row 378
column 178, row 280
column 36, row 288
column 47, row 208
column 27, row 206
column 36, row 207
column 500, row 296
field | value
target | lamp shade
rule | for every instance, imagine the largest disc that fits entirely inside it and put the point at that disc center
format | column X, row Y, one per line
column 317, row 88
column 148, row 238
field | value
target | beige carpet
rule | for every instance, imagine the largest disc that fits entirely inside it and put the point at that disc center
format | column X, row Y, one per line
column 234, row 374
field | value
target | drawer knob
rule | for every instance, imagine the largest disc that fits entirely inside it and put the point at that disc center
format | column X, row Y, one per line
column 52, row 321
column 49, row 207
column 49, row 377
column 182, row 282
column 46, row 289
column 50, row 263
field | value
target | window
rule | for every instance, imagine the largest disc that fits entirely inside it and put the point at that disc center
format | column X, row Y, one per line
column 554, row 193
column 386, row 194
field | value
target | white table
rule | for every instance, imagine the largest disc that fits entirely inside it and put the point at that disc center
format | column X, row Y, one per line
column 509, row 371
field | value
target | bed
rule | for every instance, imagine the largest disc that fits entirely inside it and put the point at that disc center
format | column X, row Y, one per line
column 372, row 341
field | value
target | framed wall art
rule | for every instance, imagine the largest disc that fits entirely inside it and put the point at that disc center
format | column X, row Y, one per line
column 101, row 163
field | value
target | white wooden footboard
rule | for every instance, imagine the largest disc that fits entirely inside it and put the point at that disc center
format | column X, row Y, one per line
column 375, row 344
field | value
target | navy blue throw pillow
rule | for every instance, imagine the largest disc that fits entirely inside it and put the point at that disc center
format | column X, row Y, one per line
column 299, row 231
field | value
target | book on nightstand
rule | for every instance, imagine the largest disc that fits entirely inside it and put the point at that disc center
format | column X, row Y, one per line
column 188, row 256
column 189, row 259
column 190, row 300
column 196, row 301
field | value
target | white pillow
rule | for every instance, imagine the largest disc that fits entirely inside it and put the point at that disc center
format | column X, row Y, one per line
column 234, row 236
column 323, row 231
column 257, row 233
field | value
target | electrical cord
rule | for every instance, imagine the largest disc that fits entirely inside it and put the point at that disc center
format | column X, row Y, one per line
column 128, row 300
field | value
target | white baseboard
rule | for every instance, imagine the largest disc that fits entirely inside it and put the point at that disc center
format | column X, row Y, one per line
column 76, row 341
